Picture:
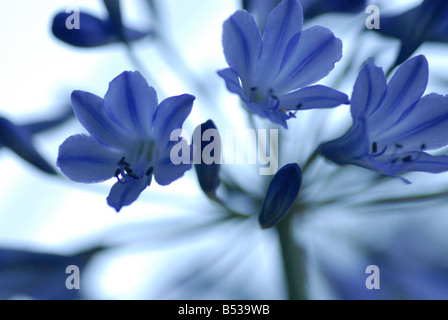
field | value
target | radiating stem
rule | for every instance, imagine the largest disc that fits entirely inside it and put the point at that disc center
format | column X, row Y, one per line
column 293, row 260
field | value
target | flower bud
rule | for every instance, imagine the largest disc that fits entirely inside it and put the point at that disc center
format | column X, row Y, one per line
column 207, row 156
column 282, row 192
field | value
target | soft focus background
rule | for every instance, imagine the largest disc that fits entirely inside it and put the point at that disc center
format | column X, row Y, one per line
column 171, row 243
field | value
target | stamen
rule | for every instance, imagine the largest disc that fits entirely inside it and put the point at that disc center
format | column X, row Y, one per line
column 423, row 146
column 292, row 114
column 149, row 171
column 128, row 170
column 374, row 147
column 123, row 163
column 398, row 145
column 407, row 159
column 298, row 106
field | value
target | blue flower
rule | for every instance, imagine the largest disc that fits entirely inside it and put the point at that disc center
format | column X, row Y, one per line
column 93, row 31
column 281, row 195
column 130, row 138
column 392, row 123
column 427, row 22
column 272, row 74
column 19, row 139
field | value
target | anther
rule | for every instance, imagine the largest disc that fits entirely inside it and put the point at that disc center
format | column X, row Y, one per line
column 407, row 159
column 123, row 163
column 298, row 106
column 128, row 170
column 149, row 171
column 374, row 147
column 423, row 146
column 399, row 145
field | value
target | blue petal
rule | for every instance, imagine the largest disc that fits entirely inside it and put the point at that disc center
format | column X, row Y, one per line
column 131, row 103
column 165, row 172
column 276, row 116
column 284, row 23
column 82, row 159
column 260, row 9
column 281, row 195
column 313, row 97
column 19, row 140
column 424, row 162
column 232, row 81
column 424, row 127
column 403, row 91
column 125, row 193
column 348, row 149
column 93, row 32
column 89, row 109
column 369, row 91
column 241, row 40
column 169, row 116
column 313, row 58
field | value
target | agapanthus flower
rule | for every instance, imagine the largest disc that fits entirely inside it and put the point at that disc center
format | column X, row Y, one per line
column 393, row 125
column 93, row 31
column 427, row 22
column 272, row 74
column 130, row 138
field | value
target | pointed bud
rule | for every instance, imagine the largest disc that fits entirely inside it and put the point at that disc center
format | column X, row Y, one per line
column 92, row 31
column 19, row 140
column 207, row 156
column 282, row 192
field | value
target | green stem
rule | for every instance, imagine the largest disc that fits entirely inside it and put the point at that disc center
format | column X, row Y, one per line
column 293, row 261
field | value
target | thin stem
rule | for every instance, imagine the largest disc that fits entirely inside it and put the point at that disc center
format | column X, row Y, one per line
column 293, row 260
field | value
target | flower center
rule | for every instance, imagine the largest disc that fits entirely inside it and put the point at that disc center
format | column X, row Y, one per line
column 139, row 165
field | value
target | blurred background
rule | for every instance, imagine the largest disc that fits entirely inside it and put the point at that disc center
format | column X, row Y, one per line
column 174, row 243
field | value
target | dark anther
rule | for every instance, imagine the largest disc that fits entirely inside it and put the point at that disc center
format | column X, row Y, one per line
column 133, row 176
column 123, row 163
column 273, row 96
column 150, row 170
column 117, row 173
column 407, row 159
column 298, row 106
column 128, row 170
column 374, row 147
column 399, row 145
column 394, row 160
column 253, row 89
column 423, row 146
